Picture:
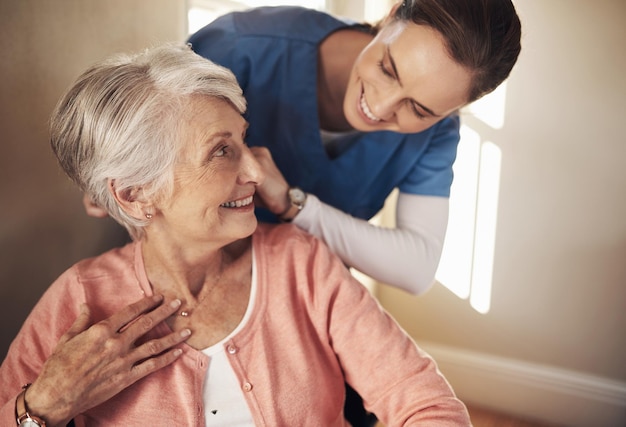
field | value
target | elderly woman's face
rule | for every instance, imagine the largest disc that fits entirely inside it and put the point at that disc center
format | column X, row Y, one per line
column 215, row 177
column 404, row 81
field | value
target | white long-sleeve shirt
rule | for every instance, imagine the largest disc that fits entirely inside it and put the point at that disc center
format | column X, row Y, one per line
column 405, row 257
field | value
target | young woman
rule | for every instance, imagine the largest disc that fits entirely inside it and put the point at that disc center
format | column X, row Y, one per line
column 347, row 113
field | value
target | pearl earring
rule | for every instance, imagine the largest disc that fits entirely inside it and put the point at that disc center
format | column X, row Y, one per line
column 148, row 216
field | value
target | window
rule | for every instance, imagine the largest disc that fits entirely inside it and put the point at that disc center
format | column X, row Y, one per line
column 466, row 265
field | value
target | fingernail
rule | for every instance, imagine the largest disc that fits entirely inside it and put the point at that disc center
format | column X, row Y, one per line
column 175, row 303
column 185, row 332
column 178, row 352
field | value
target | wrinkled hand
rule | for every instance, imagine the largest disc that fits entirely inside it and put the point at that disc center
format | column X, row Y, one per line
column 272, row 194
column 91, row 364
column 92, row 209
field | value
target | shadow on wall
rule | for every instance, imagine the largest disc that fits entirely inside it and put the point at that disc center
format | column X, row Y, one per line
column 40, row 253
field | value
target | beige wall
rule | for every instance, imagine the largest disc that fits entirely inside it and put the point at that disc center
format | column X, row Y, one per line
column 44, row 46
column 559, row 280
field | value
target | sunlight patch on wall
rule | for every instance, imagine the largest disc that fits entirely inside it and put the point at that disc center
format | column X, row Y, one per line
column 486, row 221
column 490, row 109
column 455, row 267
column 466, row 266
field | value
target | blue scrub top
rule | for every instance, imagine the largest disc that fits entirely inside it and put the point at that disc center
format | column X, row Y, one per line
column 273, row 52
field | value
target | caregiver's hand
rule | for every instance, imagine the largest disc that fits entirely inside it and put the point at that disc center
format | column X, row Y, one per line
column 272, row 194
column 91, row 364
column 92, row 209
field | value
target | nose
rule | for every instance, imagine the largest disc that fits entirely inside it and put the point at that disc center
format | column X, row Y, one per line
column 251, row 170
column 384, row 104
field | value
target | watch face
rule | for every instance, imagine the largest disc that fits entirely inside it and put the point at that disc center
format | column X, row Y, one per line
column 297, row 196
column 29, row 423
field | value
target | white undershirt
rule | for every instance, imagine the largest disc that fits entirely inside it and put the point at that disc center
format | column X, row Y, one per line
column 224, row 402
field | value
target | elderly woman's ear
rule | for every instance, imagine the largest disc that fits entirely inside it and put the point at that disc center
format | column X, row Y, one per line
column 131, row 200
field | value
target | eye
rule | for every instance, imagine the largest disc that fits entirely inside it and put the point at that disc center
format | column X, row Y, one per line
column 415, row 111
column 384, row 70
column 221, row 151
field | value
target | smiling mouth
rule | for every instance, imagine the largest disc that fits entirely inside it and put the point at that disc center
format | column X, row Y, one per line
column 238, row 203
column 366, row 109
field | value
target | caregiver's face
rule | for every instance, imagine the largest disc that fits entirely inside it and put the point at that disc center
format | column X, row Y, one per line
column 404, row 81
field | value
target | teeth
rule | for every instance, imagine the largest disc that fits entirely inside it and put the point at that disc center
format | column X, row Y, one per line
column 238, row 203
column 366, row 109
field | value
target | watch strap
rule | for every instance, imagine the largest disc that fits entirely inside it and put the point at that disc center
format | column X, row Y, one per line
column 297, row 199
column 290, row 213
column 21, row 410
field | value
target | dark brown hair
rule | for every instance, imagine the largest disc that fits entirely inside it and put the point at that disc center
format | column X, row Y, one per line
column 481, row 35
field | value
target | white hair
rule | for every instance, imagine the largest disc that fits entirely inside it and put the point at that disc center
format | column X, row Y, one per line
column 119, row 121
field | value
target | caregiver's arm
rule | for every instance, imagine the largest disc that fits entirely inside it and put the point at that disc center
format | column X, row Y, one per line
column 406, row 256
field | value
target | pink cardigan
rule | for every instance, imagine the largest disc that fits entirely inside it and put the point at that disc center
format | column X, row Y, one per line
column 313, row 326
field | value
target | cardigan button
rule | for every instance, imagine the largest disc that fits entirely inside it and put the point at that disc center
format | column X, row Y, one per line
column 247, row 386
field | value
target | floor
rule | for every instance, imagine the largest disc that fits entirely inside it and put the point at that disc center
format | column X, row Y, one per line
column 482, row 417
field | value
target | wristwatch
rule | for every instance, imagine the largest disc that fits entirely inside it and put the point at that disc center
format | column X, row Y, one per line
column 297, row 200
column 24, row 419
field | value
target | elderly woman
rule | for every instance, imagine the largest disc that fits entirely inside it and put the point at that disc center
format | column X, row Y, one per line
column 205, row 318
